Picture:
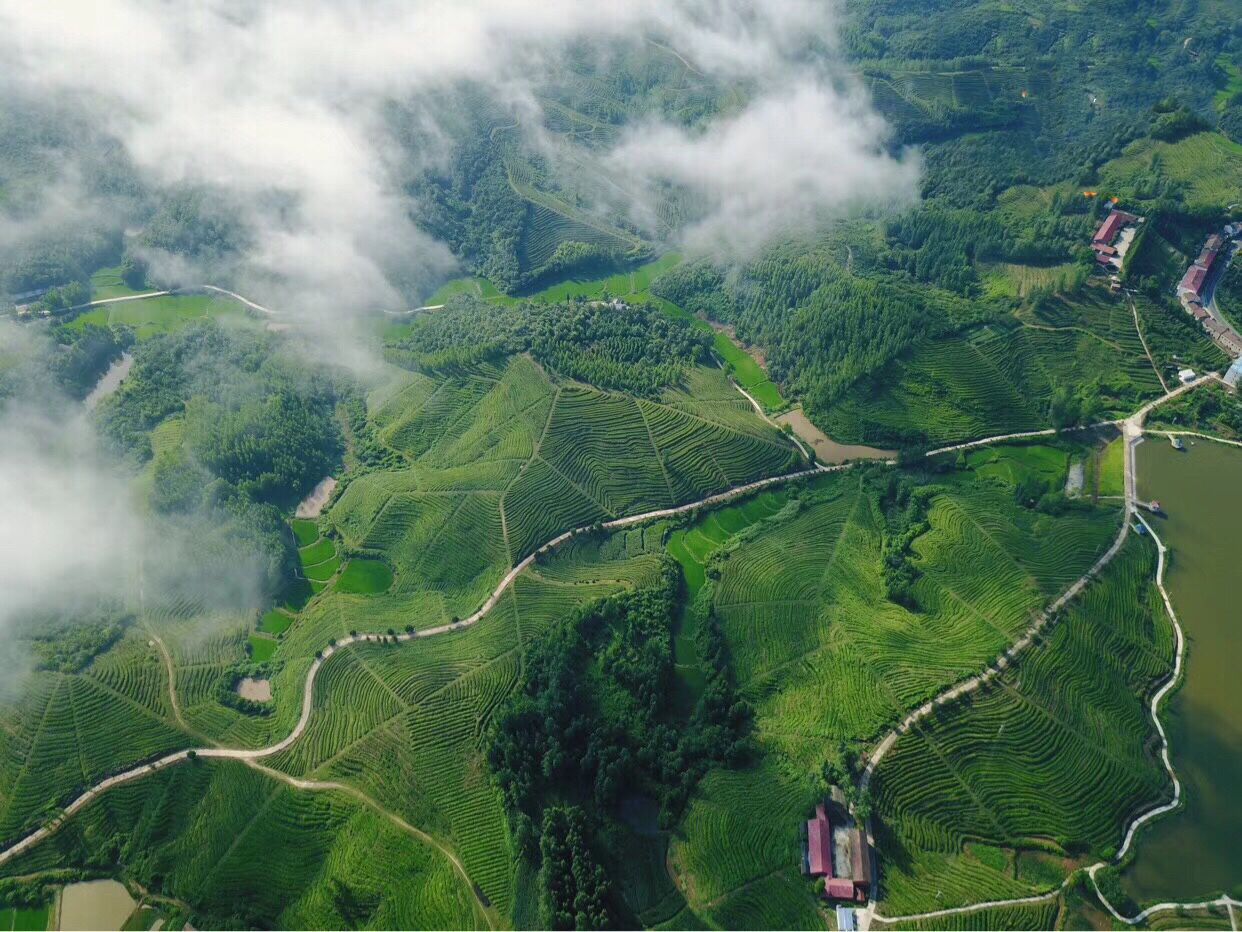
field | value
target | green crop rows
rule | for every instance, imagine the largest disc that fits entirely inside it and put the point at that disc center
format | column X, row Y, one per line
column 997, row 380
column 504, row 459
column 824, row 657
column 241, row 845
column 1054, row 756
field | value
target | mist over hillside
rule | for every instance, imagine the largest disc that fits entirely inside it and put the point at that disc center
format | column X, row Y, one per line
column 666, row 464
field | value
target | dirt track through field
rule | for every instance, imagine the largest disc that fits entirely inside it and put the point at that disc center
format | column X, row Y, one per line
column 1133, row 431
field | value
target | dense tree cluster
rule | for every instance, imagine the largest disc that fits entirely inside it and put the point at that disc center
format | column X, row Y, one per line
column 1171, row 121
column 194, row 224
column 941, row 247
column 573, row 885
column 1003, row 98
column 85, row 354
column 822, row 328
column 258, row 430
column 904, row 505
column 252, row 417
column 593, row 719
column 226, row 687
column 68, row 644
column 271, row 448
column 635, row 349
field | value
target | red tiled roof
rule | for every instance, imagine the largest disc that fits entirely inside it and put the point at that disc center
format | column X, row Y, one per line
column 1108, row 229
column 840, row 889
column 1192, row 281
column 1105, row 250
column 819, row 847
column 1206, row 258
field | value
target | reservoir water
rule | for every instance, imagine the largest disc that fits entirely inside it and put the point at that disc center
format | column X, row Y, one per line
column 1196, row 853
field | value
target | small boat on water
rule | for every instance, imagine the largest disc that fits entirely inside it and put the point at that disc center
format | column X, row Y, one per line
column 1177, row 443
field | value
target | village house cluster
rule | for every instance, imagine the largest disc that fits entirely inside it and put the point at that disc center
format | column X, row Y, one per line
column 1197, row 286
column 1113, row 238
column 836, row 849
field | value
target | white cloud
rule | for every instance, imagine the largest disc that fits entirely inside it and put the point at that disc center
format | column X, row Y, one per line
column 784, row 165
column 69, row 522
column 286, row 96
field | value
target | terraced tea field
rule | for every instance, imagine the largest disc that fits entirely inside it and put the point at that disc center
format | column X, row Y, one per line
column 504, row 459
column 1005, row 794
column 204, row 827
column 1000, row 379
column 824, row 657
column 1207, row 164
column 485, row 466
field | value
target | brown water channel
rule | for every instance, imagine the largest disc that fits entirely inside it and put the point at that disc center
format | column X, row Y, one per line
column 1196, row 852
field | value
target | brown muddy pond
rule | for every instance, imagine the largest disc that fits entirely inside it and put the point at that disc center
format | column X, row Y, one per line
column 1196, row 852
column 826, row 449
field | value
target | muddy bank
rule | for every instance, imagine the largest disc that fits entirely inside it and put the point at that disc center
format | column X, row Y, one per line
column 826, row 449
column 312, row 505
column 110, row 381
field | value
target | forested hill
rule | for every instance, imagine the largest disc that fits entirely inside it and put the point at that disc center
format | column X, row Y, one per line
column 636, row 349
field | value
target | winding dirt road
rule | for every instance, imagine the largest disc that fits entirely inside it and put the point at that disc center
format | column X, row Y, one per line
column 252, row 755
column 1132, row 427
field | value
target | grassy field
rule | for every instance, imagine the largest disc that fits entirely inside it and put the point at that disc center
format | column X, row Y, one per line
column 107, row 283
column 262, row 649
column 1112, row 468
column 1009, row 280
column 367, row 577
column 275, row 622
column 150, row 316
column 18, row 919
column 1020, row 465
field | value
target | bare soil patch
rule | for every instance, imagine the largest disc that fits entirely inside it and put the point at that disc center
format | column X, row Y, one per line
column 255, row 690
column 312, row 505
